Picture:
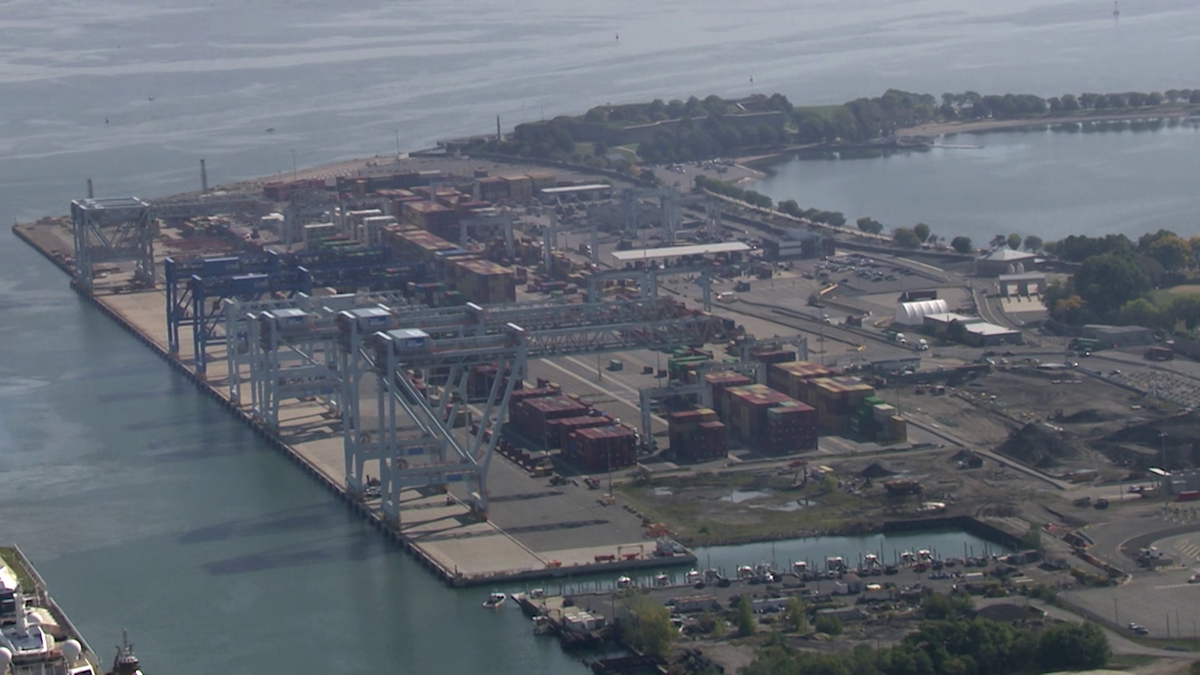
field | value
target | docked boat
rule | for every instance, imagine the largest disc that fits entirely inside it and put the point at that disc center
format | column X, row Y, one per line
column 36, row 637
column 495, row 601
column 624, row 582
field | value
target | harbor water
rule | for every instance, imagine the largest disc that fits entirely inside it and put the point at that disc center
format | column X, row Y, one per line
column 140, row 501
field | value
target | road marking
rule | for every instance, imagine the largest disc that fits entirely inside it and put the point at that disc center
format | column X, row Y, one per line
column 1169, row 586
column 632, row 404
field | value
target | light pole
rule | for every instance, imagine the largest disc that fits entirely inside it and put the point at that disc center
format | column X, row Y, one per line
column 1162, row 481
column 293, row 165
column 397, row 144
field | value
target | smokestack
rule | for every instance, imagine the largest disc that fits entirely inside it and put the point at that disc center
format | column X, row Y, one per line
column 203, row 177
column 91, row 195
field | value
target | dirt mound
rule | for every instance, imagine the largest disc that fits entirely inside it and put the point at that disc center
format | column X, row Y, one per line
column 1037, row 445
column 1179, row 428
column 1089, row 416
column 876, row 469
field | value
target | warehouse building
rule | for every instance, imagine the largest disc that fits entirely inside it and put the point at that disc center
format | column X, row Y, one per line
column 914, row 313
column 984, row 334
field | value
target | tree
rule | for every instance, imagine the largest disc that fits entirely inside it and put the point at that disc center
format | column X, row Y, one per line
column 744, row 614
column 1185, row 309
column 961, row 244
column 1106, row 282
column 1072, row 646
column 936, row 606
column 905, row 238
column 869, row 225
column 647, row 625
column 830, row 625
column 998, row 241
column 1172, row 252
column 922, row 231
column 1033, row 243
column 1141, row 312
column 1069, row 103
column 1032, row 538
column 794, row 617
column 1014, row 241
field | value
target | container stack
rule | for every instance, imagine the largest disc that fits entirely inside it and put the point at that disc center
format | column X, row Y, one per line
column 520, row 187
column 431, row 216
column 770, row 420
column 836, row 399
column 561, row 429
column 532, row 416
column 492, row 188
column 791, row 428
column 602, row 448
column 693, row 437
column 748, row 410
column 318, row 233
column 790, row 377
column 774, row 356
column 712, row 442
column 686, row 360
column 481, row 281
column 719, row 382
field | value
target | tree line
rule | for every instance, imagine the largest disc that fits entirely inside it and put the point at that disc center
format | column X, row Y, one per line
column 1116, row 275
column 867, row 118
column 951, row 647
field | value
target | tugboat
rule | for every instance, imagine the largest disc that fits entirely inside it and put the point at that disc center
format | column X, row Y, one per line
column 125, row 662
column 495, row 601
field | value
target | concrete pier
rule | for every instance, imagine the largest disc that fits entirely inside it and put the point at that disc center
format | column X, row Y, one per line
column 534, row 531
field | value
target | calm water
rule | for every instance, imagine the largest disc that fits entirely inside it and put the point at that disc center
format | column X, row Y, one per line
column 1110, row 178
column 141, row 502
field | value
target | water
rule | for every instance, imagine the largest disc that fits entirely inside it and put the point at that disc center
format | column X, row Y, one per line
column 1101, row 179
column 142, row 503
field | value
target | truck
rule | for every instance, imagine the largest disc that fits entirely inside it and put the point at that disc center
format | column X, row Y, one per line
column 1084, row 346
column 1160, row 354
column 922, row 345
column 897, row 337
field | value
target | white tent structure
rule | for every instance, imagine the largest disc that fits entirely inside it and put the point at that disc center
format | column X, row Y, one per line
column 914, row 313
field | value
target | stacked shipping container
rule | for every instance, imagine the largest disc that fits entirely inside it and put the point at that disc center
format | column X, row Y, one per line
column 790, row 377
column 792, row 429
column 532, row 416
column 836, row 399
column 602, row 448
column 693, row 436
column 481, row 281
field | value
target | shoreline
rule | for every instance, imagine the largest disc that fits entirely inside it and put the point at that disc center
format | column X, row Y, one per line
column 938, row 129
column 980, row 126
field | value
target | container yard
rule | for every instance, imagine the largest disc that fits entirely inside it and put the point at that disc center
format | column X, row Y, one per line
column 394, row 334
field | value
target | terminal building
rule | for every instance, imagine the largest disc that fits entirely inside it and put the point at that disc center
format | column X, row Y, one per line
column 1006, row 261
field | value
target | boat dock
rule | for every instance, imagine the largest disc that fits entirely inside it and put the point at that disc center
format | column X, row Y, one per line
column 534, row 531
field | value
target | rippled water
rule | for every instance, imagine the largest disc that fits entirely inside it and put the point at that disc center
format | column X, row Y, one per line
column 141, row 502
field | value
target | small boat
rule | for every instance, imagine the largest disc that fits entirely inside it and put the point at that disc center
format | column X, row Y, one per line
column 693, row 577
column 542, row 626
column 624, row 582
column 799, row 567
column 270, row 129
column 495, row 601
column 662, row 581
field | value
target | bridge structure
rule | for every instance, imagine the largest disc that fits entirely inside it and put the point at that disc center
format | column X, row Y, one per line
column 401, row 373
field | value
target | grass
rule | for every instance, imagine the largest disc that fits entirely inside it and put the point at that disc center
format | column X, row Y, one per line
column 825, row 111
column 1182, row 645
column 698, row 516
